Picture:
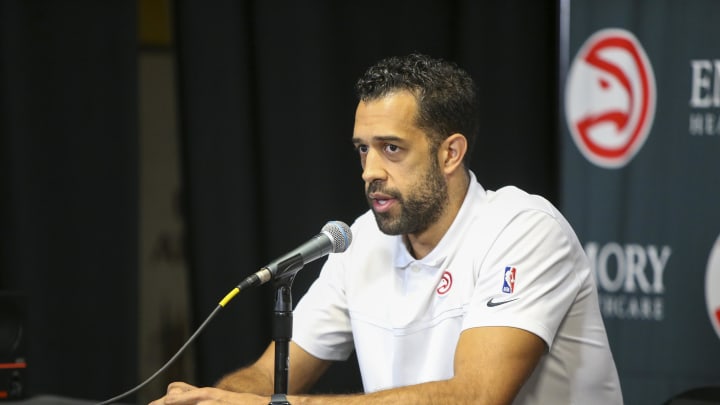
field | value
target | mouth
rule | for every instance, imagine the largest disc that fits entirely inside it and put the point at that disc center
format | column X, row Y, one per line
column 381, row 202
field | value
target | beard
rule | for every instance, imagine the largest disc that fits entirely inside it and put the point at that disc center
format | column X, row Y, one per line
column 425, row 201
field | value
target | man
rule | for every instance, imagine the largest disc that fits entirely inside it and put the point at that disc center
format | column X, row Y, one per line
column 449, row 294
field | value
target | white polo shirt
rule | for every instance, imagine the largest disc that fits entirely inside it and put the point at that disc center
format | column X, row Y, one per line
column 508, row 259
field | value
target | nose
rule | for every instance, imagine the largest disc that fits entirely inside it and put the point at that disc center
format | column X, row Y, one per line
column 373, row 168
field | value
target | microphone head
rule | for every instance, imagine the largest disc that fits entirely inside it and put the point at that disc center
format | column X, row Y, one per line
column 340, row 234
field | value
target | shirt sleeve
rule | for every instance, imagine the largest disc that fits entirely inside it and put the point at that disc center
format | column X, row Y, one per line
column 321, row 324
column 528, row 279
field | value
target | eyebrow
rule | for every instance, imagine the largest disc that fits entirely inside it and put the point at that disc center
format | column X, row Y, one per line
column 380, row 138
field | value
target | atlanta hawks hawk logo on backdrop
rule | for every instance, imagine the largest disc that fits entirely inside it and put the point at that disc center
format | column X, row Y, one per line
column 610, row 98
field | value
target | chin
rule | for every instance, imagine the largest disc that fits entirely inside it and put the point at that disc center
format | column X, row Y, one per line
column 387, row 225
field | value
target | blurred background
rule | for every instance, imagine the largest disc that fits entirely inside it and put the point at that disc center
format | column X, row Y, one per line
column 154, row 152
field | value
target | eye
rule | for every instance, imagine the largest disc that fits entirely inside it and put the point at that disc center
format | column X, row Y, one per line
column 361, row 149
column 390, row 148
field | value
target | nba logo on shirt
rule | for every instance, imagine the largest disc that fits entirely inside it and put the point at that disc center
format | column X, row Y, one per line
column 509, row 281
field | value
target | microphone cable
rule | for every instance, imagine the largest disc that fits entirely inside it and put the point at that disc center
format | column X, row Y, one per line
column 246, row 283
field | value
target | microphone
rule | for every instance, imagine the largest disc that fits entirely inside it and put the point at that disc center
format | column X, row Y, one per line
column 335, row 237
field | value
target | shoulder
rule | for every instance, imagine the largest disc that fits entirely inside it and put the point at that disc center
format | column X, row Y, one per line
column 365, row 226
column 513, row 200
column 512, row 213
column 365, row 222
column 492, row 211
column 367, row 235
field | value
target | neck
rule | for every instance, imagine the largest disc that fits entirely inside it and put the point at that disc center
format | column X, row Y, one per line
column 420, row 244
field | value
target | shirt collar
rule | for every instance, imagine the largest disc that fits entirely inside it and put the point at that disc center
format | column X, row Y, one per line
column 403, row 258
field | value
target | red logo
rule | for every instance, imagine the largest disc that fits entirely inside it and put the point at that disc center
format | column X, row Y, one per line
column 712, row 286
column 610, row 98
column 445, row 283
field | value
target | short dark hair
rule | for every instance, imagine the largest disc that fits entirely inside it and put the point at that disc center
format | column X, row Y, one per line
column 445, row 94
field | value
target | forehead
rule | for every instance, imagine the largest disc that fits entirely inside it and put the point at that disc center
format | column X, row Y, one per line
column 393, row 114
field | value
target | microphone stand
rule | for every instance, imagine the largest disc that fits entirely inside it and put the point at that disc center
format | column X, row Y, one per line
column 282, row 333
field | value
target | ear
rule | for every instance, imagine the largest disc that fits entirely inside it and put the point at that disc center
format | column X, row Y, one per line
column 452, row 152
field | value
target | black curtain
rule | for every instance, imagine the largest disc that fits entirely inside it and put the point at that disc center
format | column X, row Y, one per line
column 267, row 108
column 267, row 111
column 68, row 176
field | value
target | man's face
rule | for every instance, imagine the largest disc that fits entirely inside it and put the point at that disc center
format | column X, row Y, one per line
column 404, row 185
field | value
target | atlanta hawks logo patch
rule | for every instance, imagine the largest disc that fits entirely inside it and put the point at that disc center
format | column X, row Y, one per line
column 445, row 283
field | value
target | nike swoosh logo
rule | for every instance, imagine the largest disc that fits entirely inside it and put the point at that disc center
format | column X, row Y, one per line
column 492, row 303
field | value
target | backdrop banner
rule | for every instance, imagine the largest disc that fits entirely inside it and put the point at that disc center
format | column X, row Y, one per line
column 640, row 171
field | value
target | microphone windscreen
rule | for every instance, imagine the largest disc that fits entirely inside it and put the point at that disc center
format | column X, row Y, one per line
column 340, row 233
